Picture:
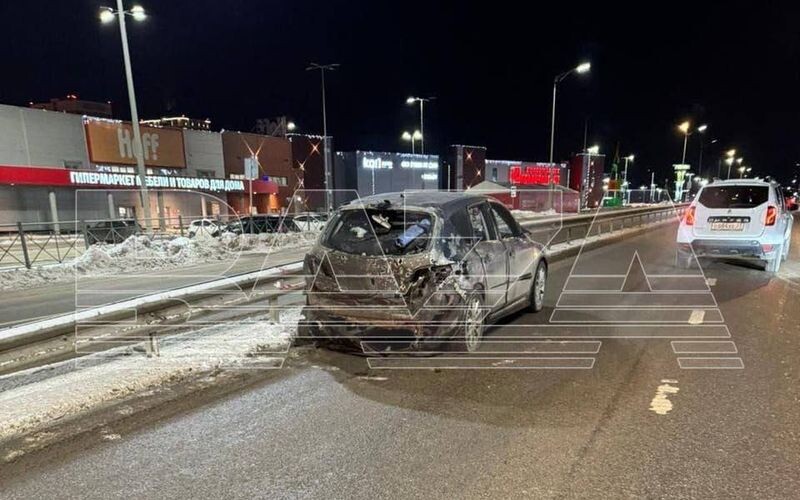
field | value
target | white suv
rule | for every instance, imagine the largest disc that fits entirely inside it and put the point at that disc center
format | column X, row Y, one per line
column 742, row 219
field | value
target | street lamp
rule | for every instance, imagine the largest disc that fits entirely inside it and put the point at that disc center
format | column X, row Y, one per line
column 581, row 68
column 684, row 127
column 290, row 126
column 326, row 159
column 421, row 101
column 107, row 15
column 594, row 150
column 627, row 159
column 729, row 160
column 412, row 138
column 701, row 130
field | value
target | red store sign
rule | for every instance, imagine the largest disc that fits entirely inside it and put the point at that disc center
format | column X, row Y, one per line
column 56, row 177
column 539, row 173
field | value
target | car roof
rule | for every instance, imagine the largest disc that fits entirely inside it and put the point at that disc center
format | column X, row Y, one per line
column 446, row 200
column 740, row 182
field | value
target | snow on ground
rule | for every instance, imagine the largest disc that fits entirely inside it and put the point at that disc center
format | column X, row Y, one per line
column 121, row 373
column 140, row 253
column 530, row 214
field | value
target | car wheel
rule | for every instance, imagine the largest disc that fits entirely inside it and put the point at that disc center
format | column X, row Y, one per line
column 309, row 333
column 538, row 286
column 469, row 338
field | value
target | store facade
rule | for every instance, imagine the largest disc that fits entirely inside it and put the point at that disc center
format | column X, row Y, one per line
column 57, row 167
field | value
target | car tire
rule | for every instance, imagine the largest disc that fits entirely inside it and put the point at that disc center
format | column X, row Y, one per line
column 471, row 331
column 538, row 288
column 309, row 333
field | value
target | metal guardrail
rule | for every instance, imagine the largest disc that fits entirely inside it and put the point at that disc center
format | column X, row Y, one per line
column 569, row 229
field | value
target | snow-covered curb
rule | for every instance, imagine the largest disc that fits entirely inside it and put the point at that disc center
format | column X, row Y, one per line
column 254, row 343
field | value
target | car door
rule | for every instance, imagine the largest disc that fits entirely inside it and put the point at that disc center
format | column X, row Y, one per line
column 492, row 254
column 521, row 252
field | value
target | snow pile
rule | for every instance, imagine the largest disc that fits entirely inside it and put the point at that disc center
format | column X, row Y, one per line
column 140, row 253
column 122, row 373
column 530, row 214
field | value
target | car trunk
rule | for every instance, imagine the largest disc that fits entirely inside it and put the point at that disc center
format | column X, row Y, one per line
column 731, row 211
column 373, row 259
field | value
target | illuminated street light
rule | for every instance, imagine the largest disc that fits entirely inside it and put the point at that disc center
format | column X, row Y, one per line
column 702, row 128
column 581, row 68
column 138, row 14
column 290, row 126
column 684, row 127
column 107, row 15
column 594, row 150
column 421, row 101
column 412, row 138
column 627, row 159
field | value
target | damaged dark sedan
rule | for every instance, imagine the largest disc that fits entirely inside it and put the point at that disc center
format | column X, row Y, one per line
column 419, row 272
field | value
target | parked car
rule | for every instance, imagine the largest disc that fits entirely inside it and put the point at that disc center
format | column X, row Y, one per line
column 310, row 221
column 112, row 231
column 736, row 219
column 207, row 227
column 421, row 270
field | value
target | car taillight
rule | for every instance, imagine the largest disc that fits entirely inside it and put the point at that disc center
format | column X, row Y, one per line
column 772, row 216
column 689, row 218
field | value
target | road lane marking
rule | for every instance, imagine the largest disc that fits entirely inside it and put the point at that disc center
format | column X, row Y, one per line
column 696, row 318
column 710, row 363
column 660, row 403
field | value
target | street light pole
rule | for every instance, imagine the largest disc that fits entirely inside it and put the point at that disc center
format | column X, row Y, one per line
column 581, row 68
column 684, row 127
column 625, row 178
column 106, row 15
column 326, row 158
column 421, row 101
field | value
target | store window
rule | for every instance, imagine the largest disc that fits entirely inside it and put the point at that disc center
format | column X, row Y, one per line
column 206, row 173
column 73, row 164
column 281, row 181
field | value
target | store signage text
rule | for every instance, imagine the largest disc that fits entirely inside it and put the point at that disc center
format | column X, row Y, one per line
column 376, row 163
column 155, row 181
column 417, row 165
column 537, row 174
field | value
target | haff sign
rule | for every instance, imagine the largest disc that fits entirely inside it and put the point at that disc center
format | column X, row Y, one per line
column 111, row 142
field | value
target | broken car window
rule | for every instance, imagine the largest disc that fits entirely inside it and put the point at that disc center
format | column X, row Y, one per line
column 380, row 232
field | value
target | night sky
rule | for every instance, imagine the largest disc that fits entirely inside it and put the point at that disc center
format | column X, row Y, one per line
column 733, row 65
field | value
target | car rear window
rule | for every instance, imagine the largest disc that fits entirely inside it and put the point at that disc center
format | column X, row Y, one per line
column 380, row 232
column 734, row 196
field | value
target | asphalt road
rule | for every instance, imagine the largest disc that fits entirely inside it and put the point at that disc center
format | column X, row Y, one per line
column 325, row 426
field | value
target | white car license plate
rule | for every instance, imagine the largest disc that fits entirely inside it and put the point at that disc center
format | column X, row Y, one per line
column 727, row 226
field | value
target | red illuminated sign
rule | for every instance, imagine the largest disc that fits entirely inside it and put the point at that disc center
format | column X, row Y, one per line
column 535, row 174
